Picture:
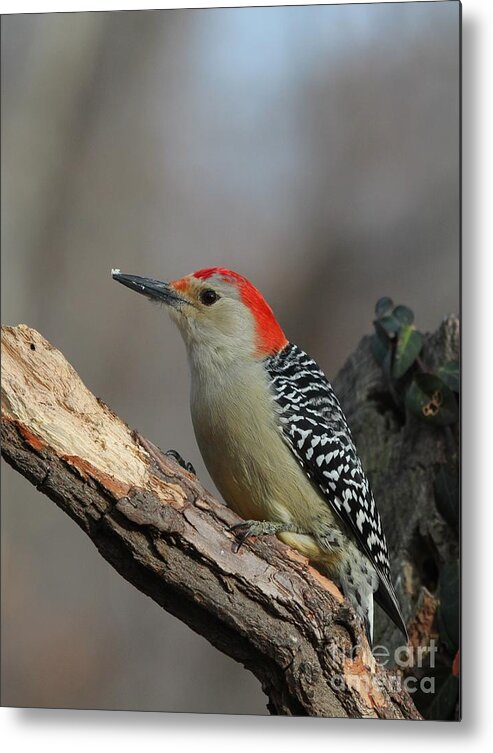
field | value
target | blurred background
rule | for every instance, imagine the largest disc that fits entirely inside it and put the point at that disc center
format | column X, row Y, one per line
column 313, row 149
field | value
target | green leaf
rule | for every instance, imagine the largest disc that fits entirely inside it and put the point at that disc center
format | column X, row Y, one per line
column 408, row 348
column 447, row 496
column 450, row 374
column 448, row 615
column 390, row 324
column 387, row 366
column 431, row 400
column 442, row 707
column 403, row 314
column 383, row 306
column 382, row 349
column 380, row 346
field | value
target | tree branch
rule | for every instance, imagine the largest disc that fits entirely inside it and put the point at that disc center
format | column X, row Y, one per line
column 264, row 606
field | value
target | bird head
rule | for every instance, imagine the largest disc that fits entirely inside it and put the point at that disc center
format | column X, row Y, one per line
column 215, row 309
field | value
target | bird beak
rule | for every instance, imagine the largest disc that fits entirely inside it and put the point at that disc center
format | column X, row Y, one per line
column 153, row 289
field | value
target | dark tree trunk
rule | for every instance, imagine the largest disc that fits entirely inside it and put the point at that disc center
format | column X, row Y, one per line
column 265, row 606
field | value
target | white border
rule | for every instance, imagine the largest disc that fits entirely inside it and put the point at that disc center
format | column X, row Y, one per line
column 53, row 731
column 50, row 6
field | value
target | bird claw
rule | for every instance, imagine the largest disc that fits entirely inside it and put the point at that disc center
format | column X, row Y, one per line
column 187, row 466
column 242, row 531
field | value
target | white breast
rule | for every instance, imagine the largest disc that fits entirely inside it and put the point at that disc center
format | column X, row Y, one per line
column 234, row 418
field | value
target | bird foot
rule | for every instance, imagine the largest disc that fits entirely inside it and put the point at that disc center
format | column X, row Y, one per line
column 243, row 531
column 185, row 464
column 156, row 456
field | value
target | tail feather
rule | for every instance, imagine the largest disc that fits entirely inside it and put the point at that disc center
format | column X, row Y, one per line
column 386, row 598
column 358, row 583
column 363, row 604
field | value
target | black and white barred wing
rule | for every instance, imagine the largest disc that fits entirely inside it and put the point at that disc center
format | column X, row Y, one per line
column 316, row 430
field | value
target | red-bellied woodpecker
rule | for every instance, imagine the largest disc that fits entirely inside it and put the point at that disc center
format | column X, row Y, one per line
column 273, row 435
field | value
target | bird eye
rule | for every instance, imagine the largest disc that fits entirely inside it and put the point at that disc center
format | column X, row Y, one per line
column 208, row 296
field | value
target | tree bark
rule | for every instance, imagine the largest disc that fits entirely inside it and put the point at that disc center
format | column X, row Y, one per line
column 401, row 455
column 265, row 606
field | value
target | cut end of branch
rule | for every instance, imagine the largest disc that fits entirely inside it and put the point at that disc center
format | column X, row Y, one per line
column 167, row 535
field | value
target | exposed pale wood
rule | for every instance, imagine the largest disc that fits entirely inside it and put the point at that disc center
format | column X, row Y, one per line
column 264, row 606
